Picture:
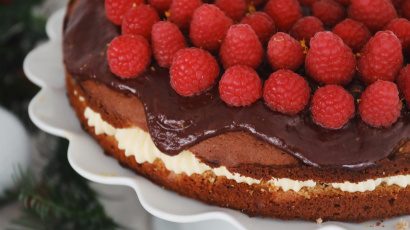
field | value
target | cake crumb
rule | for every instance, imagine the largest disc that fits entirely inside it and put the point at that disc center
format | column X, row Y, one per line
column 401, row 150
column 319, row 221
column 402, row 225
column 211, row 180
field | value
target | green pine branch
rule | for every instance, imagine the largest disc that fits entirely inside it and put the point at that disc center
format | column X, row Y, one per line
column 60, row 199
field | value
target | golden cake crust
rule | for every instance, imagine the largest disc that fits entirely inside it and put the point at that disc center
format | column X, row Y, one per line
column 255, row 200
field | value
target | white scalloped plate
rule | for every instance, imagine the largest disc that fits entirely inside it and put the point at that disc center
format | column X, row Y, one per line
column 51, row 112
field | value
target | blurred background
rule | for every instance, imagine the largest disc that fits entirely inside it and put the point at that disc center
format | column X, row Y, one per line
column 38, row 188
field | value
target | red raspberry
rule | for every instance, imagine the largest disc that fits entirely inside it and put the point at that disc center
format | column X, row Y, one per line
column 284, row 13
column 240, row 86
column 380, row 104
column 374, row 14
column 307, row 2
column 128, row 55
column 235, row 9
column 193, row 71
column 181, row 11
column 208, row 27
column 262, row 24
column 381, row 58
column 403, row 82
column 139, row 20
column 353, row 33
column 329, row 60
column 401, row 28
column 241, row 46
column 405, row 9
column 286, row 92
column 332, row 107
column 306, row 27
column 329, row 11
column 284, row 52
column 167, row 39
column 116, row 9
column 160, row 5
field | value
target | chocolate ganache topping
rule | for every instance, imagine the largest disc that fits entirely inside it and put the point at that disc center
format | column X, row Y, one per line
column 176, row 123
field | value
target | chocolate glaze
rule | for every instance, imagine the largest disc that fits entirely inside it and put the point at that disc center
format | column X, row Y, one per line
column 176, row 123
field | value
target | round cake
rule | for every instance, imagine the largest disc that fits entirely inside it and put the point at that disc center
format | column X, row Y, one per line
column 282, row 108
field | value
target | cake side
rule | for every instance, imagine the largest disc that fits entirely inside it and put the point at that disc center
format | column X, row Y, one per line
column 308, row 203
column 266, row 161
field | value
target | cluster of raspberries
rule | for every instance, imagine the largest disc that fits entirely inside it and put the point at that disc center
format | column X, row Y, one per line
column 339, row 41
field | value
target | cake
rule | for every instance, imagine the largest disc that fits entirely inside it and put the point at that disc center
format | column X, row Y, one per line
column 335, row 148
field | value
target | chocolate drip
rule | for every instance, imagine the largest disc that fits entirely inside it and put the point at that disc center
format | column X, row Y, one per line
column 176, row 123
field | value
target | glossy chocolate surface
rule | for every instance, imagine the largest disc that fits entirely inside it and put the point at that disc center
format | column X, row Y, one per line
column 176, row 123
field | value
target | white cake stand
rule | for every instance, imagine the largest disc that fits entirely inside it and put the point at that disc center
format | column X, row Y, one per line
column 50, row 111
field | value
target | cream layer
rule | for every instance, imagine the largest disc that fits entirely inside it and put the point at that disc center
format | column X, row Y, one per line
column 138, row 143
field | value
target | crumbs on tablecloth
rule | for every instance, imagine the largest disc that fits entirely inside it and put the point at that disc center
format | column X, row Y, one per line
column 402, row 225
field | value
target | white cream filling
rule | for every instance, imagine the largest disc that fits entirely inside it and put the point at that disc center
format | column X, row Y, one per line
column 370, row 185
column 138, row 143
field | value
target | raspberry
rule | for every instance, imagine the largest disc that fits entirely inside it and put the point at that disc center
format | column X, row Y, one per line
column 181, row 11
column 284, row 13
column 284, row 52
column 329, row 60
column 262, row 24
column 208, row 27
column 307, row 2
column 128, row 55
column 139, row 20
column 241, row 46
column 193, row 71
column 332, row 107
column 405, row 9
column 374, row 14
column 286, row 92
column 328, row 11
column 353, row 33
column 160, row 5
column 306, row 27
column 167, row 39
column 401, row 28
column 380, row 104
column 235, row 9
column 240, row 86
column 116, row 9
column 381, row 58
